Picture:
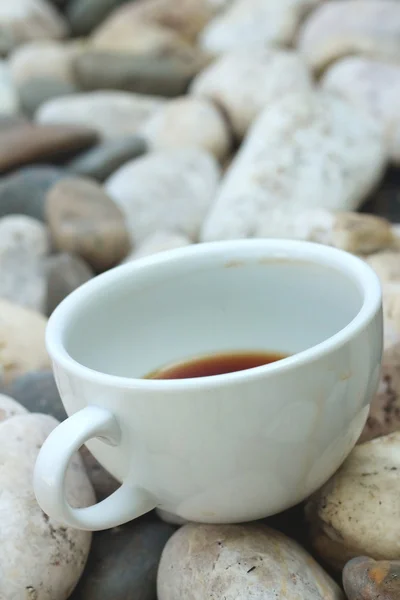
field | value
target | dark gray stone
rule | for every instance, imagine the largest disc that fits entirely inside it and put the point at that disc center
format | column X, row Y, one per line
column 24, row 191
column 101, row 161
column 104, row 484
column 65, row 273
column 161, row 76
column 36, row 91
column 123, row 561
column 85, row 15
column 37, row 391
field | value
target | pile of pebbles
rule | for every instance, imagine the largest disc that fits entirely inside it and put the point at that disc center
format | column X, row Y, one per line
column 132, row 127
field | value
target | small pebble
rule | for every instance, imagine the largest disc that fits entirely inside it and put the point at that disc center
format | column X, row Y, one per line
column 24, row 242
column 22, row 340
column 165, row 191
column 24, row 191
column 101, row 161
column 368, row 579
column 85, row 221
column 30, row 143
column 336, row 29
column 111, row 113
column 65, row 273
column 189, row 121
column 154, row 75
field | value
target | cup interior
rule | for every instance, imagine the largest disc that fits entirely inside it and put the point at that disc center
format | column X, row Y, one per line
column 161, row 312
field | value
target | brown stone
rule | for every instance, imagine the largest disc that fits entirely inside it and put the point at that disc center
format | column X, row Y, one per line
column 28, row 143
column 368, row 579
column 384, row 414
column 83, row 220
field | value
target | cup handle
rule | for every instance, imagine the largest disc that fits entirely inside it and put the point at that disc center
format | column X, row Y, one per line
column 125, row 504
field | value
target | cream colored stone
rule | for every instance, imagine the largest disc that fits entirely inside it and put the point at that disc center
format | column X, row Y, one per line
column 357, row 512
column 43, row 59
column 384, row 414
column 354, row 232
column 336, row 29
column 22, row 340
column 373, row 85
column 185, row 17
column 111, row 113
column 24, row 242
column 165, row 191
column 10, row 408
column 306, row 151
column 25, row 20
column 239, row 562
column 9, row 101
column 386, row 265
column 244, row 81
column 146, row 39
column 254, row 23
column 361, row 233
column 188, row 121
column 40, row 559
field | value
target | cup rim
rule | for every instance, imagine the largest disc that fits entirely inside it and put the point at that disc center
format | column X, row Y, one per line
column 277, row 249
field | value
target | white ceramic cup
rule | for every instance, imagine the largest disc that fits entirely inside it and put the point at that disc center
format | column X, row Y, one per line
column 223, row 449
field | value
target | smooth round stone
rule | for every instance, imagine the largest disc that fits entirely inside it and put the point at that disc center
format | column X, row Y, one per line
column 368, row 579
column 24, row 191
column 30, row 143
column 24, row 242
column 102, row 160
column 8, row 96
column 160, row 76
column 37, row 392
column 35, row 92
column 25, row 20
column 265, row 75
column 157, row 27
column 308, row 150
column 43, row 59
column 123, row 561
column 41, row 558
column 357, row 511
column 10, row 407
column 250, row 23
column 85, row 15
column 373, row 85
column 384, row 412
column 85, row 221
column 239, row 562
column 337, row 29
column 112, row 113
column 165, row 191
column 65, row 273
column 189, row 121
column 22, row 340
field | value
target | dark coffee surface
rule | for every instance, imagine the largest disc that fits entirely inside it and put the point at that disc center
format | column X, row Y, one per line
column 216, row 364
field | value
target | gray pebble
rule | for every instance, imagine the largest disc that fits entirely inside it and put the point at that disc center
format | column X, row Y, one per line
column 24, row 191
column 65, row 272
column 101, row 161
